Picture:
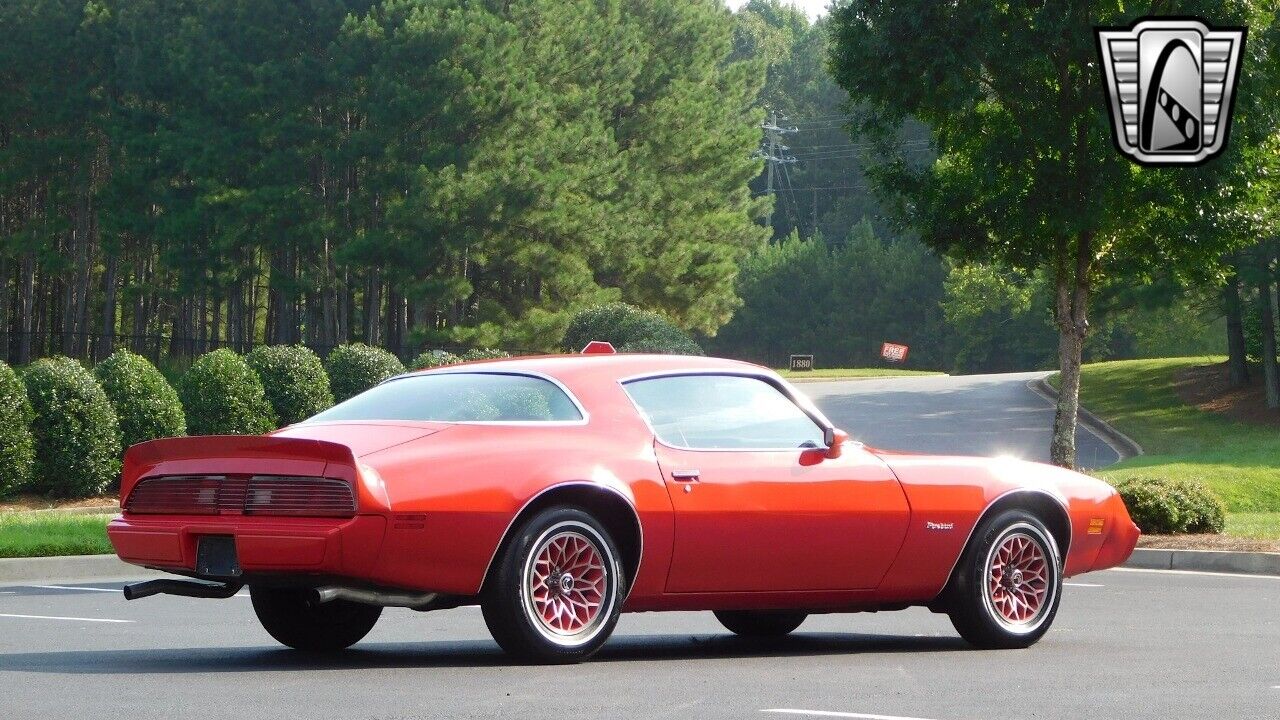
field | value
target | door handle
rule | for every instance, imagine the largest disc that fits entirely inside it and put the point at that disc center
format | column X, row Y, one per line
column 685, row 475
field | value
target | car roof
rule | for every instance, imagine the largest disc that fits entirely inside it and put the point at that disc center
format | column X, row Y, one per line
column 574, row 369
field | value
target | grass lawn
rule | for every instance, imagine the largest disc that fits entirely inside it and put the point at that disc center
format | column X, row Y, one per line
column 45, row 534
column 1238, row 461
column 837, row 373
column 1263, row 526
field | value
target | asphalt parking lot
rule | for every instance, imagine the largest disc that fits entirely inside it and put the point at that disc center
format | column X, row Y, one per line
column 1128, row 644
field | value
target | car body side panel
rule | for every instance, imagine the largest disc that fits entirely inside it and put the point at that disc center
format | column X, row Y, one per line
column 452, row 503
column 948, row 496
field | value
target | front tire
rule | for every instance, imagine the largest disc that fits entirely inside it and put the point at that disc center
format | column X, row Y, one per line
column 290, row 616
column 555, row 592
column 760, row 623
column 1008, row 583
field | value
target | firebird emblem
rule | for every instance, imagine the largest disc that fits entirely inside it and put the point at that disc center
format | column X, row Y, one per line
column 928, row 525
column 1170, row 86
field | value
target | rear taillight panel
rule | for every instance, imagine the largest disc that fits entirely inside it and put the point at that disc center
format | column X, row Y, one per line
column 269, row 495
column 300, row 496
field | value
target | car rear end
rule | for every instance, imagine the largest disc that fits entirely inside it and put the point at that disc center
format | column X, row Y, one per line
column 234, row 508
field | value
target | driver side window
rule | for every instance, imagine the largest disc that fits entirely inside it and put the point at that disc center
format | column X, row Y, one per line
column 723, row 412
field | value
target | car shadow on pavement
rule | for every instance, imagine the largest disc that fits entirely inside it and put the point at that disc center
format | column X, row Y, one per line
column 445, row 654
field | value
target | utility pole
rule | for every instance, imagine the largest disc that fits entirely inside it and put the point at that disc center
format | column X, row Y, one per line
column 771, row 150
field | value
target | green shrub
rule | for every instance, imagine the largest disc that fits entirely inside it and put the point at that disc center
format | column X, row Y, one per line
column 223, row 396
column 17, row 448
column 484, row 354
column 77, row 436
column 357, row 367
column 629, row 329
column 433, row 358
column 146, row 404
column 293, row 379
column 1162, row 506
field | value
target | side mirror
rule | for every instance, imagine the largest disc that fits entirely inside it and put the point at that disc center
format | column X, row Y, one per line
column 835, row 440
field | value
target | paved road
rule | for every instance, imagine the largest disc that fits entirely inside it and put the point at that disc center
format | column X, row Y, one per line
column 965, row 415
column 1128, row 644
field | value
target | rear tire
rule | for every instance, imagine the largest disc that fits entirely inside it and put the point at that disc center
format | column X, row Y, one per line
column 556, row 590
column 1008, row 583
column 760, row 623
column 290, row 616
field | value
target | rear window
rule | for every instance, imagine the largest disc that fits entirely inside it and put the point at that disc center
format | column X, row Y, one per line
column 459, row 397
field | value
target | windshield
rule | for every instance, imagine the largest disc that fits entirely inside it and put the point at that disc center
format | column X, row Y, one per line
column 459, row 397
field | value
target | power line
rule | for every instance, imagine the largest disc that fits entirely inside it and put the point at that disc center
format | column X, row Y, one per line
column 814, row 189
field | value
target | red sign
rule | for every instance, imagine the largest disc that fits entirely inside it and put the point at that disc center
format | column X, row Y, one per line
column 894, row 352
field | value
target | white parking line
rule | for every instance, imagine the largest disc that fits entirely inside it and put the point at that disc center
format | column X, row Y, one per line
column 1082, row 584
column 69, row 587
column 55, row 617
column 1193, row 572
column 832, row 713
column 8, row 592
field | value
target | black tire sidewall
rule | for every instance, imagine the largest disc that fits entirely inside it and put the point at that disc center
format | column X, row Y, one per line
column 761, row 623
column 503, row 604
column 289, row 616
column 969, row 610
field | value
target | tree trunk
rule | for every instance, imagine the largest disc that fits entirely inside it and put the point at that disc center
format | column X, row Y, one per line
column 1271, row 378
column 1237, row 364
column 1072, row 295
column 106, row 343
column 373, row 309
column 26, row 306
column 6, row 294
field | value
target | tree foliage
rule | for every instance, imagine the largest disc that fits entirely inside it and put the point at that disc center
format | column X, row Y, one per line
column 839, row 302
column 826, row 190
column 77, row 436
column 17, row 449
column 145, row 404
column 293, row 379
column 357, row 367
column 1026, row 175
column 222, row 395
column 433, row 358
column 628, row 329
column 400, row 173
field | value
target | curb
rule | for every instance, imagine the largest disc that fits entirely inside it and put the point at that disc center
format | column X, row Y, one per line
column 1220, row 561
column 69, row 567
column 1124, row 445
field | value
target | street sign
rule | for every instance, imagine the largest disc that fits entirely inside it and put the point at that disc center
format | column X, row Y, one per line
column 802, row 363
column 893, row 352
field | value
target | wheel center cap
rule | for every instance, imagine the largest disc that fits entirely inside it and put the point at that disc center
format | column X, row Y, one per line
column 566, row 583
column 1016, row 578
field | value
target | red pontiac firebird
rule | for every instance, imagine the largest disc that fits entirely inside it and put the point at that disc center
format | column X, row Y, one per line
column 559, row 491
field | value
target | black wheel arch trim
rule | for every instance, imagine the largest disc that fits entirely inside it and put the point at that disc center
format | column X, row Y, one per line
column 1010, row 499
column 532, row 502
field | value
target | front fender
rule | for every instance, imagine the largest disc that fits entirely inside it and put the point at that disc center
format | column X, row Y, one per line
column 950, row 495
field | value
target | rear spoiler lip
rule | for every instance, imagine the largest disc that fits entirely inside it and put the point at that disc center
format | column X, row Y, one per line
column 239, row 454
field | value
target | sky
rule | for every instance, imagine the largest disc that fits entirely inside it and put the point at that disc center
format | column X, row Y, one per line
column 813, row 7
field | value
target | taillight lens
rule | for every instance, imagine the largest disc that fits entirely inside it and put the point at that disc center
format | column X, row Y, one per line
column 249, row 495
column 176, row 495
column 286, row 495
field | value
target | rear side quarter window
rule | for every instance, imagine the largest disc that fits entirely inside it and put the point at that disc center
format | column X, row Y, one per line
column 460, row 397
